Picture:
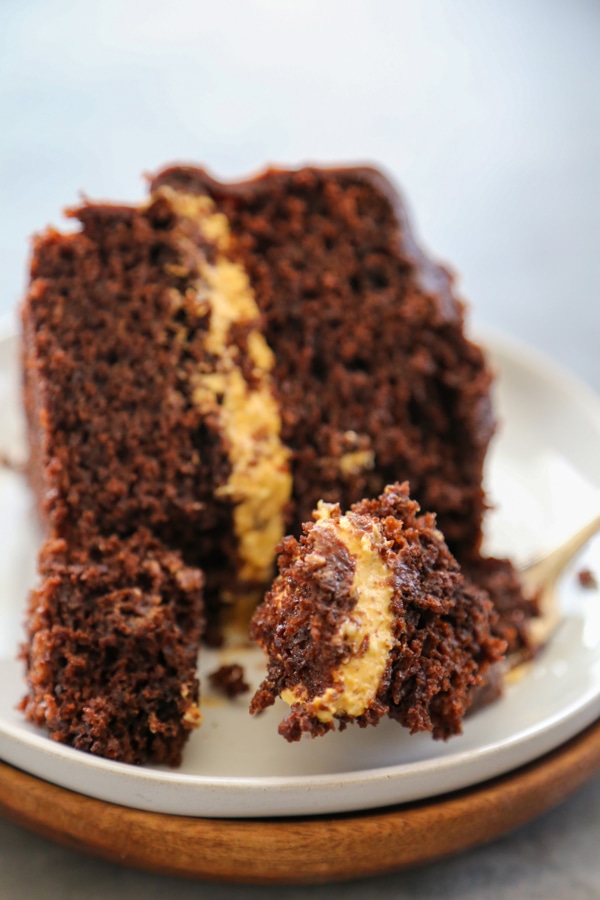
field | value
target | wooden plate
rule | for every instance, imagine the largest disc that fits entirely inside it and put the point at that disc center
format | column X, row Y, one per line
column 300, row 850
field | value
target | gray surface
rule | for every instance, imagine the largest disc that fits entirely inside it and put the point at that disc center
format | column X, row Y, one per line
column 488, row 115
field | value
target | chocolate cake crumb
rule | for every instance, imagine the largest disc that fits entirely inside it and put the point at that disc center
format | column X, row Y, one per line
column 587, row 579
column 229, row 679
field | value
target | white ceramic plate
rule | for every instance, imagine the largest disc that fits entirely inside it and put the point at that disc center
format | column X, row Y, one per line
column 544, row 474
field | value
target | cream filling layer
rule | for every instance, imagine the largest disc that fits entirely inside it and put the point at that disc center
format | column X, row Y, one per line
column 367, row 633
column 260, row 483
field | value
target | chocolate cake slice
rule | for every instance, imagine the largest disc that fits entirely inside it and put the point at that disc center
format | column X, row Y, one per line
column 234, row 353
column 371, row 616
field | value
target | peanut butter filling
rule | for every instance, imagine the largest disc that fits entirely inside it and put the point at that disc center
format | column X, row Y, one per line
column 356, row 457
column 367, row 634
column 260, row 483
column 192, row 717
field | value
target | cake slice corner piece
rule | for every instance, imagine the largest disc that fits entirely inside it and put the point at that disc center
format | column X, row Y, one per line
column 113, row 641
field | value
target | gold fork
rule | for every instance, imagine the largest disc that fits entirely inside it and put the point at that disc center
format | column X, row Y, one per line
column 541, row 578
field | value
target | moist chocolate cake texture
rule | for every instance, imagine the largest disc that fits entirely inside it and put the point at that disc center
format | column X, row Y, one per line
column 370, row 616
column 203, row 368
column 114, row 634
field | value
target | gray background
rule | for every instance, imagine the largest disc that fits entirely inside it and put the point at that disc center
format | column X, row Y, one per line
column 487, row 113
